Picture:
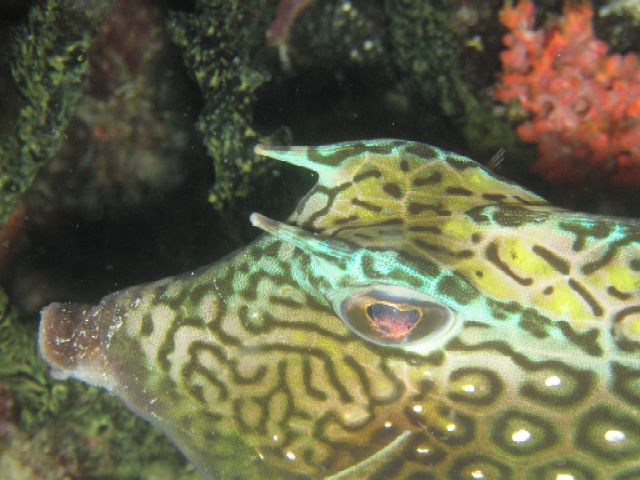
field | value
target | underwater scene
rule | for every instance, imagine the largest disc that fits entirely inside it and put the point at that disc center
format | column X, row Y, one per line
column 320, row 239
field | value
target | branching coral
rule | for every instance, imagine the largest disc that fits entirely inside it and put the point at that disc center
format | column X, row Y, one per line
column 584, row 103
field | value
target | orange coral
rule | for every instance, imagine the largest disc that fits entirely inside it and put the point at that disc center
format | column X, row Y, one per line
column 584, row 104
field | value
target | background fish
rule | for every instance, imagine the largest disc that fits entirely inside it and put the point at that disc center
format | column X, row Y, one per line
column 416, row 317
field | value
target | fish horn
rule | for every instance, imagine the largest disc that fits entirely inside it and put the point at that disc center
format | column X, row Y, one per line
column 72, row 340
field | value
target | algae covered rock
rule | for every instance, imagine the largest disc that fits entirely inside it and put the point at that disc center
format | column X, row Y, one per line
column 50, row 66
column 220, row 41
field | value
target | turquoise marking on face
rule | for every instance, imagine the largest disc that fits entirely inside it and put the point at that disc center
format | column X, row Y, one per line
column 302, row 239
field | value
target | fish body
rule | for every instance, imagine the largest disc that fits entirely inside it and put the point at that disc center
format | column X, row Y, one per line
column 416, row 317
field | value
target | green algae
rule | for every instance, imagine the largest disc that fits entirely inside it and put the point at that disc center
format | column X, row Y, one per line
column 425, row 47
column 22, row 371
column 50, row 66
column 428, row 54
column 73, row 423
column 220, row 42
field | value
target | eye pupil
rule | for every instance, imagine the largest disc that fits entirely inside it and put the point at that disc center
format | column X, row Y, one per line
column 393, row 315
column 392, row 322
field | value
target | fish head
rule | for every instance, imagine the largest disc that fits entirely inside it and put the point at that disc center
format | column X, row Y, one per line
column 415, row 317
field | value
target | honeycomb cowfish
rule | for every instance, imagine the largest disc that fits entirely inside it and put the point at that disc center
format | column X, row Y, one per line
column 416, row 317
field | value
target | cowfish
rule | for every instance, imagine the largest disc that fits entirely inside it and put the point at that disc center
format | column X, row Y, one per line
column 416, row 317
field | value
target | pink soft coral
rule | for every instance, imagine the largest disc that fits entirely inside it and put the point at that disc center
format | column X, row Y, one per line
column 584, row 104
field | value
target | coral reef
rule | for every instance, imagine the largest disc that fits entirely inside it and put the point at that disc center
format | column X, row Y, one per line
column 424, row 43
column 6, row 411
column 219, row 42
column 128, row 144
column 11, row 233
column 127, row 140
column 100, row 124
column 50, row 67
column 622, row 7
column 336, row 35
column 438, row 52
column 584, row 103
column 429, row 64
column 21, row 371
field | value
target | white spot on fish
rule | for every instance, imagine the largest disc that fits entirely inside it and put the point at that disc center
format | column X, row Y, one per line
column 565, row 476
column 553, row 381
column 614, row 436
column 521, row 436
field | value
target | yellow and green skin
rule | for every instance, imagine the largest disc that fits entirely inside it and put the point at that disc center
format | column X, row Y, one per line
column 416, row 317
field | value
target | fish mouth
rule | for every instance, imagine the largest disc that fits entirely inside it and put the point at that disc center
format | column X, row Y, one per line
column 70, row 341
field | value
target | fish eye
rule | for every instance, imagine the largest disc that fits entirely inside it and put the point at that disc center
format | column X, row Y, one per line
column 392, row 315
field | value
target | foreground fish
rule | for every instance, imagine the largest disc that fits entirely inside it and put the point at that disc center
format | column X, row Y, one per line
column 417, row 317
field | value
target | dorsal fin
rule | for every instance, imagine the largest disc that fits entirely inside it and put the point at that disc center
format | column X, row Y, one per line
column 311, row 243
